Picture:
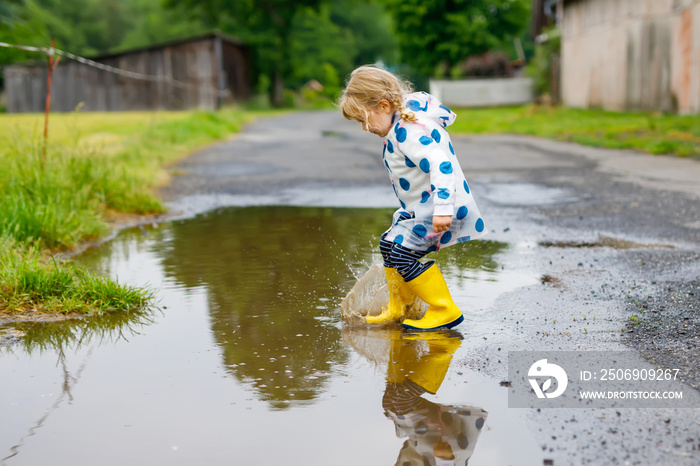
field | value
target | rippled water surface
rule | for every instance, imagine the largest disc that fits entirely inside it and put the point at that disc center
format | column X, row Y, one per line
column 246, row 361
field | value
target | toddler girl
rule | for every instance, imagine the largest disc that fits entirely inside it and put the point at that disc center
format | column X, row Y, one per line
column 437, row 206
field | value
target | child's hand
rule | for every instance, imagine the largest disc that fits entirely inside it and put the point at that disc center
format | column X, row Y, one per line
column 441, row 223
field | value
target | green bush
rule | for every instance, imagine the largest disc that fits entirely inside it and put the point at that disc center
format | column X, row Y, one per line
column 540, row 67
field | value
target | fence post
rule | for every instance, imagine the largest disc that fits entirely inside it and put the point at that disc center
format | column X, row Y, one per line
column 52, row 64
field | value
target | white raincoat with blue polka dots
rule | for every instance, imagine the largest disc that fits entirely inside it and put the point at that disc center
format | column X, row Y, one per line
column 428, row 179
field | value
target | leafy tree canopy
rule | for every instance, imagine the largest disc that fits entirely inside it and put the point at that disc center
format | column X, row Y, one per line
column 81, row 26
column 326, row 44
column 8, row 11
column 445, row 32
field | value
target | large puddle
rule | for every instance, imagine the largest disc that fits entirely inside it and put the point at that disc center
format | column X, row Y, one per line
column 247, row 360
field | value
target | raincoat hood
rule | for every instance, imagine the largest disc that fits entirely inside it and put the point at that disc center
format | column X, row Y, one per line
column 425, row 105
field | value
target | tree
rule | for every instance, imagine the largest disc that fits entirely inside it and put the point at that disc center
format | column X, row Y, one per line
column 8, row 11
column 264, row 24
column 91, row 27
column 320, row 49
column 83, row 27
column 445, row 32
column 370, row 26
column 327, row 43
column 151, row 23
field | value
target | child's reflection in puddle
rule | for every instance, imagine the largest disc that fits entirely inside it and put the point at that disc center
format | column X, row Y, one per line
column 437, row 434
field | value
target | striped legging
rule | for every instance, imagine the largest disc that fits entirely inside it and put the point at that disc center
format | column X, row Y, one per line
column 404, row 260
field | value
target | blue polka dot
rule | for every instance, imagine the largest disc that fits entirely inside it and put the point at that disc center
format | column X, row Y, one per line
column 443, row 193
column 409, row 163
column 387, row 165
column 425, row 140
column 414, row 105
column 436, row 135
column 479, row 225
column 420, row 230
column 432, row 248
column 390, row 147
column 397, row 126
column 405, row 185
column 462, row 212
column 445, row 108
column 446, row 168
column 401, row 134
column 432, row 187
column 424, row 197
column 403, row 204
column 425, row 165
column 395, row 192
column 446, row 237
column 452, row 149
column 384, row 150
column 398, row 239
column 466, row 186
column 464, row 238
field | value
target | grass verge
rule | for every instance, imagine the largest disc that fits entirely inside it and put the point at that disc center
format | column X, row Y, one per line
column 652, row 133
column 96, row 164
column 29, row 281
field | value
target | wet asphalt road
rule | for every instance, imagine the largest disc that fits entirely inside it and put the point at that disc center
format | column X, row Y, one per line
column 613, row 236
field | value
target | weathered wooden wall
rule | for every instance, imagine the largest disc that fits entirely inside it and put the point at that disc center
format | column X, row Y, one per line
column 632, row 54
column 203, row 66
column 236, row 77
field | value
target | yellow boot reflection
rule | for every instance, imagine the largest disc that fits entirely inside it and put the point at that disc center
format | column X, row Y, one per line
column 422, row 358
column 437, row 434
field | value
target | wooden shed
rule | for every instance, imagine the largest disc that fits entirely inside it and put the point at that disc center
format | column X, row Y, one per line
column 631, row 54
column 202, row 72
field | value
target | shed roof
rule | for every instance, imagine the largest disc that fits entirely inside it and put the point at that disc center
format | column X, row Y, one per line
column 171, row 43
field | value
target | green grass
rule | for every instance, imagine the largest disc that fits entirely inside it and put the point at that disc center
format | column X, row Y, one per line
column 61, row 201
column 97, row 164
column 99, row 130
column 30, row 280
column 652, row 133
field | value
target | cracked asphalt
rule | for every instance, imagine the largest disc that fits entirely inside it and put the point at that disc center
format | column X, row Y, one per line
column 614, row 237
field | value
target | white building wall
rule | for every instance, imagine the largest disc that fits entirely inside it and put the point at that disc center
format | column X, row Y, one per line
column 632, row 54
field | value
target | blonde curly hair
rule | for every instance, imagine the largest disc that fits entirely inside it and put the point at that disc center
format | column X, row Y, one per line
column 367, row 86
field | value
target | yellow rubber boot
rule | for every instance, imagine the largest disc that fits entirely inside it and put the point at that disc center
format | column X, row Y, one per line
column 430, row 286
column 400, row 297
